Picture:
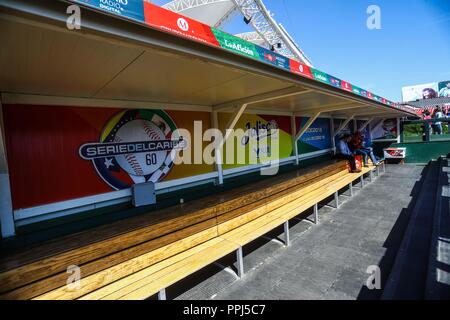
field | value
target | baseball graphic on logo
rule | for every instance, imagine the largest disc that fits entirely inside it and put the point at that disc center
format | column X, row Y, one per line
column 135, row 146
column 140, row 164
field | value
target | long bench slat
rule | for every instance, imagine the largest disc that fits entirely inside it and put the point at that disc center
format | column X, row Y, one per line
column 277, row 193
column 174, row 273
column 127, row 271
column 110, row 288
column 96, row 266
column 261, row 226
column 286, row 199
column 51, row 265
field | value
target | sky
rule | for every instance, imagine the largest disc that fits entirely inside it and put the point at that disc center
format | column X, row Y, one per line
column 412, row 46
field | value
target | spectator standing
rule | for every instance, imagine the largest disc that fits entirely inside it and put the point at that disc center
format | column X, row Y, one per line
column 438, row 115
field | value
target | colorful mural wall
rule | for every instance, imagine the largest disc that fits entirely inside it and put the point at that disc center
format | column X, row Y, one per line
column 316, row 138
column 258, row 129
column 58, row 153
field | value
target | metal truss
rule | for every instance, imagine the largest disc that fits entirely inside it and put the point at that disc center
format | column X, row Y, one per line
column 274, row 36
column 181, row 5
column 253, row 37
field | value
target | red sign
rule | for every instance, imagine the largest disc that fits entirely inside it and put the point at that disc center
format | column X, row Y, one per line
column 346, row 86
column 300, row 68
column 174, row 23
column 395, row 153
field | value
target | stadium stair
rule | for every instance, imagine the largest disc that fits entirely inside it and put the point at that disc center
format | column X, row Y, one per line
column 421, row 269
column 438, row 278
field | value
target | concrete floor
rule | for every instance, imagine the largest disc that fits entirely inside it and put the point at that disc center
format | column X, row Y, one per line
column 327, row 261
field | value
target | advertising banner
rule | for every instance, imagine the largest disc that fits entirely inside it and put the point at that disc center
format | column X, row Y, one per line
column 58, row 153
column 386, row 129
column 235, row 44
column 250, row 147
column 242, row 47
column 335, row 82
column 131, row 9
column 316, row 138
column 444, row 89
column 301, row 69
column 172, row 22
column 346, row 86
column 421, row 91
column 394, row 153
column 320, row 76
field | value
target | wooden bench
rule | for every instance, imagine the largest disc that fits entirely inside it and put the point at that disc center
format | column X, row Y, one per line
column 141, row 256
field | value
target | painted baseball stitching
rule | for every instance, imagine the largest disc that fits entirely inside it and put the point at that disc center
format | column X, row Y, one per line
column 131, row 159
column 151, row 133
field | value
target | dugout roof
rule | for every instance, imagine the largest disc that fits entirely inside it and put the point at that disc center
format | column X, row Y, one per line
column 116, row 59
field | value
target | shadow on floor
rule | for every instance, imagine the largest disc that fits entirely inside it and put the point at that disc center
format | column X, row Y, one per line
column 393, row 242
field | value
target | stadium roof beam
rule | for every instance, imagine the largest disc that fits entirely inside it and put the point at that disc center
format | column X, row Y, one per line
column 365, row 124
column 344, row 124
column 306, row 126
column 330, row 108
column 268, row 96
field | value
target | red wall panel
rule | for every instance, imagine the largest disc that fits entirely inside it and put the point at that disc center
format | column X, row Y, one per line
column 42, row 145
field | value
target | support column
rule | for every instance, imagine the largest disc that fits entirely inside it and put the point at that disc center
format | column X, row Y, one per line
column 333, row 140
column 294, row 141
column 6, row 209
column 217, row 151
column 162, row 294
column 398, row 131
column 316, row 213
column 350, row 186
column 287, row 240
column 240, row 262
column 238, row 111
column 336, row 199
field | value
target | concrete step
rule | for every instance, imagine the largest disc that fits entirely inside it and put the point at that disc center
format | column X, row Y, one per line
column 408, row 276
column 438, row 279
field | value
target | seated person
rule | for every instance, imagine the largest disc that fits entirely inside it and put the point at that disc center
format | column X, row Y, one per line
column 343, row 152
column 357, row 147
